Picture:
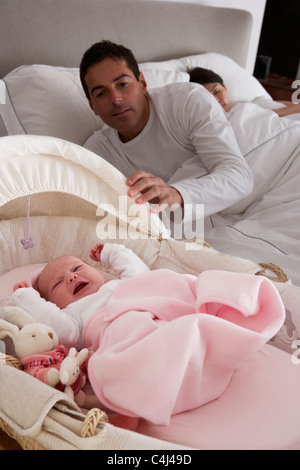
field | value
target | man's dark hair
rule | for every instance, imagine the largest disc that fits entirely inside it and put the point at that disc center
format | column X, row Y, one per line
column 202, row 76
column 106, row 50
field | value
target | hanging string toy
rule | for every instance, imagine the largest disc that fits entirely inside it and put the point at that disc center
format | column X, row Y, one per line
column 27, row 242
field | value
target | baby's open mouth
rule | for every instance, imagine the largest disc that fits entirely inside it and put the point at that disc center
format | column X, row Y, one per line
column 79, row 287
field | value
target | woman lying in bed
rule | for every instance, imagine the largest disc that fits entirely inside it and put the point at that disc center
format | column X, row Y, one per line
column 215, row 85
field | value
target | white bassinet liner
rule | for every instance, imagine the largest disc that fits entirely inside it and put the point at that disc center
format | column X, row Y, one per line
column 72, row 191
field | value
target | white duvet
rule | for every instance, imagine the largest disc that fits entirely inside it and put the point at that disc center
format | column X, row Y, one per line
column 264, row 227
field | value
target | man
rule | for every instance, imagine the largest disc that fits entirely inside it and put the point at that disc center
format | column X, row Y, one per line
column 173, row 144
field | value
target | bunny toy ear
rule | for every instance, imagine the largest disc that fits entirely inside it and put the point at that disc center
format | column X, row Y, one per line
column 7, row 329
column 16, row 316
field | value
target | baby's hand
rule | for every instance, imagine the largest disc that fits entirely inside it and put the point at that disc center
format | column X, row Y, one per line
column 95, row 253
column 20, row 285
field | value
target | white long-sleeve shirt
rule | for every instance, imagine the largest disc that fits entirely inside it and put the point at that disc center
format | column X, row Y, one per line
column 189, row 143
column 69, row 322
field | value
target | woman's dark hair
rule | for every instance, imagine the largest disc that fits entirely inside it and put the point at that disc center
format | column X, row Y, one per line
column 103, row 50
column 202, row 76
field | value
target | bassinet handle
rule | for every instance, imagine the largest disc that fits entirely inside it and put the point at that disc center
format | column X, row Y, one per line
column 93, row 418
column 94, row 415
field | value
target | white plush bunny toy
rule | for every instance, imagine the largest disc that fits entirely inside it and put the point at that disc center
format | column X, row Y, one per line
column 37, row 347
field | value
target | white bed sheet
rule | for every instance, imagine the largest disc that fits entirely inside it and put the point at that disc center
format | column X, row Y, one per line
column 264, row 227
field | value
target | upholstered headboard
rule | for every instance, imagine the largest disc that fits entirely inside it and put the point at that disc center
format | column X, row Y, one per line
column 57, row 32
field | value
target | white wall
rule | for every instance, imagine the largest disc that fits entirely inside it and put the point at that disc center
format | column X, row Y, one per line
column 256, row 8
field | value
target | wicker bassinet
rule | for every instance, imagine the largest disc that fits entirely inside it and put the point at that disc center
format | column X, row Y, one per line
column 63, row 220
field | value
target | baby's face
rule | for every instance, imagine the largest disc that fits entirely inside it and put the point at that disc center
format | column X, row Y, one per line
column 67, row 279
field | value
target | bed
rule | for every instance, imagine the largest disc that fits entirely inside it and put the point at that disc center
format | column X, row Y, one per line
column 73, row 198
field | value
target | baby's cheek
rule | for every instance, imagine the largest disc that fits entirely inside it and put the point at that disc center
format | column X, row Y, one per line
column 61, row 299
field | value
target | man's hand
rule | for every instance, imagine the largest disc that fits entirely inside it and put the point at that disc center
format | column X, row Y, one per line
column 153, row 190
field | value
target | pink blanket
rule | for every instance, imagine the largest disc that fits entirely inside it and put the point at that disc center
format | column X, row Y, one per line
column 167, row 342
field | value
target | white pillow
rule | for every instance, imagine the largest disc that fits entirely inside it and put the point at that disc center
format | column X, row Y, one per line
column 242, row 86
column 156, row 78
column 174, row 65
column 50, row 101
column 9, row 122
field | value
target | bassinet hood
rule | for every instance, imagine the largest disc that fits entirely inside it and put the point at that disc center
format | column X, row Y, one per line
column 37, row 164
column 72, row 192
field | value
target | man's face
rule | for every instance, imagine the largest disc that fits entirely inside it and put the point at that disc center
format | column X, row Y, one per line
column 118, row 97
